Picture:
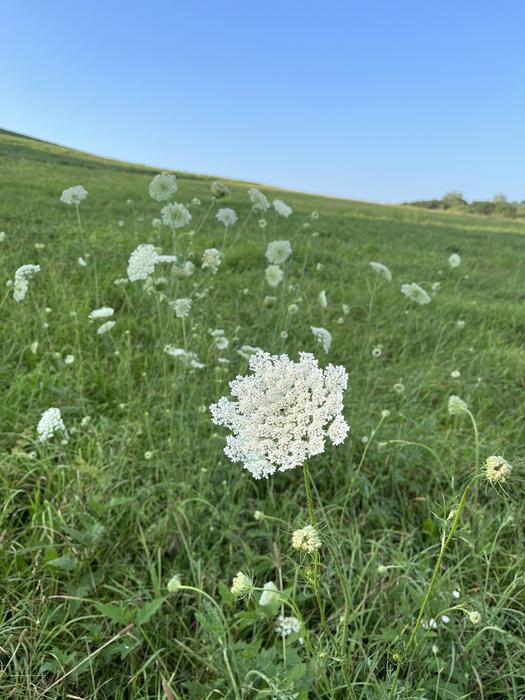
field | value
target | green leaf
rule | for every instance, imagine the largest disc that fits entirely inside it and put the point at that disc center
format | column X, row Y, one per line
column 64, row 563
column 148, row 610
column 120, row 615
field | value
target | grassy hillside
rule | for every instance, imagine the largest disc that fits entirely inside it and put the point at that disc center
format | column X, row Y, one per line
column 94, row 528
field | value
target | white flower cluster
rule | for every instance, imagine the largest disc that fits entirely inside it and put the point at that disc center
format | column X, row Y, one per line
column 323, row 337
column 211, row 259
column 162, row 187
column 454, row 260
column 278, row 252
column 306, row 539
column 456, row 406
column 73, row 195
column 50, row 423
column 285, row 626
column 242, row 585
column 21, row 284
column 282, row 208
column 227, row 217
column 274, row 275
column 258, row 200
column 189, row 358
column 182, row 307
column 142, row 261
column 103, row 312
column 381, row 270
column 283, row 413
column 416, row 293
column 175, row 215
column 270, row 594
column 497, row 469
column 219, row 338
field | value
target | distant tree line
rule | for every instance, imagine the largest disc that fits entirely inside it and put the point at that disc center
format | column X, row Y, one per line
column 497, row 206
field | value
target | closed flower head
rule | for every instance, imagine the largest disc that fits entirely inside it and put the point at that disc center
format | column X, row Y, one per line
column 242, row 585
column 306, row 539
column 456, row 406
column 497, row 469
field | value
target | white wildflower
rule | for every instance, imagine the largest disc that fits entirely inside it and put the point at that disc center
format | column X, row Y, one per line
column 211, row 259
column 346, row 309
column 156, row 223
column 454, row 260
column 283, row 412
column 460, row 324
column 277, row 252
column 262, row 223
column 21, row 284
column 282, row 208
column 227, row 217
column 456, row 595
column 399, row 387
column 416, row 293
column 323, row 299
column 182, row 307
column 274, row 275
column 456, row 406
column 258, row 200
column 190, row 359
column 2, row 236
column 105, row 327
column 82, row 262
column 121, row 282
column 175, row 215
column 162, row 187
column 247, row 351
column 103, row 312
column 497, row 469
column 306, row 539
column 323, row 337
column 285, row 626
column 474, row 617
column 219, row 338
column 293, row 309
column 69, row 359
column 184, row 271
column 73, row 195
column 381, row 270
column 143, row 260
column 377, row 351
column 270, row 594
column 174, row 584
column 242, row 585
column 50, row 423
column 455, row 374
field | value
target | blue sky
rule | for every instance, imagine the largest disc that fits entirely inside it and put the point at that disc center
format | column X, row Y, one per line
column 383, row 101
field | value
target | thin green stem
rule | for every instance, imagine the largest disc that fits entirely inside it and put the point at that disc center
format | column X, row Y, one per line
column 445, row 540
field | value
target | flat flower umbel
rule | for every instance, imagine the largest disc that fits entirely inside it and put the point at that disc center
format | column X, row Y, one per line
column 283, row 412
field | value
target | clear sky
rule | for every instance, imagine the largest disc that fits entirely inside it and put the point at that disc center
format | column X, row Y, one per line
column 379, row 100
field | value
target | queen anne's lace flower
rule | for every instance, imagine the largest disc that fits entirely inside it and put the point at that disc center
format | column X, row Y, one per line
column 283, row 412
column 162, row 187
column 381, row 270
column 182, row 307
column 227, row 217
column 247, row 351
column 274, row 275
column 188, row 358
column 454, row 260
column 306, row 539
column 258, row 200
column 278, row 252
column 323, row 337
column 323, row 299
column 497, row 469
column 282, row 208
column 103, row 312
column 456, row 406
column 73, row 195
column 175, row 215
column 219, row 338
column 50, row 423
column 219, row 190
column 143, row 259
column 242, row 585
column 285, row 626
column 211, row 259
column 105, row 327
column 21, row 284
column 270, row 594
column 416, row 293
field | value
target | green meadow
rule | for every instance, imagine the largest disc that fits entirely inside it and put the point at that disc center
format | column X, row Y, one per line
column 137, row 492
